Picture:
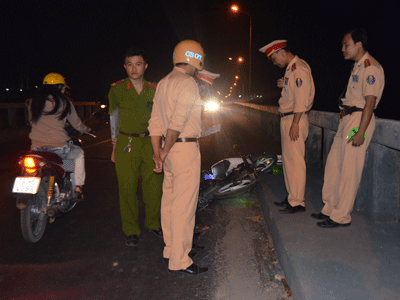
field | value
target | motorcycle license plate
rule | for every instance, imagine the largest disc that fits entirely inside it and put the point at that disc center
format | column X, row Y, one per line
column 26, row 185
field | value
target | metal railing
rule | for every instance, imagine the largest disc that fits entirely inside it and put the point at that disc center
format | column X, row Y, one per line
column 18, row 111
column 379, row 192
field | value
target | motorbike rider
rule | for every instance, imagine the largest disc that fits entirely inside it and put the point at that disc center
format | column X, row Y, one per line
column 49, row 110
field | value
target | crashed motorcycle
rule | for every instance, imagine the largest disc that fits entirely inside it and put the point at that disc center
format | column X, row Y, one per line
column 44, row 190
column 232, row 176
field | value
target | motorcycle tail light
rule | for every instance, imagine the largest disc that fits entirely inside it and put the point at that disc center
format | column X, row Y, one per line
column 31, row 164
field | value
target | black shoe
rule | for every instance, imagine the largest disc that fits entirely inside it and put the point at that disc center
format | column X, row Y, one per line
column 329, row 223
column 284, row 203
column 319, row 216
column 198, row 233
column 292, row 209
column 196, row 247
column 192, row 254
column 132, row 240
column 158, row 232
column 191, row 270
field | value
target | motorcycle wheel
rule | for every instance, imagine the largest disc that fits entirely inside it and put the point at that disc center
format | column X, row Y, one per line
column 265, row 162
column 232, row 189
column 33, row 217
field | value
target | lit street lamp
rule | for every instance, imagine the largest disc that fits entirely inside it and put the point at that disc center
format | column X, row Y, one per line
column 235, row 9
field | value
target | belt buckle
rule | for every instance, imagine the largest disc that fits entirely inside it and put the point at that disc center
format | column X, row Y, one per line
column 342, row 114
column 282, row 115
column 142, row 135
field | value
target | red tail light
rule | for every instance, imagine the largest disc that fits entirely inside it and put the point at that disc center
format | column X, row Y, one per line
column 31, row 163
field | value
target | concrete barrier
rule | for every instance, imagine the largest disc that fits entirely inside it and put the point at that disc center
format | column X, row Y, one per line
column 379, row 192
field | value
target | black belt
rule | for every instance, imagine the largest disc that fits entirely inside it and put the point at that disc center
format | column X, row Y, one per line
column 135, row 135
column 291, row 113
column 183, row 140
column 348, row 110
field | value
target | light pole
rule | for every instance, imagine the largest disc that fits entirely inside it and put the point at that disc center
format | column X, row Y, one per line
column 238, row 62
column 235, row 9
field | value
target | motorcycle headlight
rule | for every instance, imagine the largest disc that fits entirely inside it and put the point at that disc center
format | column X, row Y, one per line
column 211, row 105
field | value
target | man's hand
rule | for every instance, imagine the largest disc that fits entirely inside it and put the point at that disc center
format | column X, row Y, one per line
column 114, row 143
column 357, row 139
column 281, row 83
column 294, row 132
column 158, row 164
column 163, row 154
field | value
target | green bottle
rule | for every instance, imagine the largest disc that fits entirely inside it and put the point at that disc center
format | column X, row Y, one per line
column 353, row 132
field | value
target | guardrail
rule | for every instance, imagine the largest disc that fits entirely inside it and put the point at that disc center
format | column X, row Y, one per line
column 16, row 110
column 379, row 192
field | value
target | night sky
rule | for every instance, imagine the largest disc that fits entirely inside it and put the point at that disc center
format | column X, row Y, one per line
column 85, row 42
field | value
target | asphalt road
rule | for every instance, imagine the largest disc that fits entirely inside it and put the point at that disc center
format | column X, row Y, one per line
column 82, row 255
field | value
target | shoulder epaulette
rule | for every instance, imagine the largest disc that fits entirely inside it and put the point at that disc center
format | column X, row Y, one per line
column 153, row 85
column 118, row 82
column 367, row 63
column 293, row 67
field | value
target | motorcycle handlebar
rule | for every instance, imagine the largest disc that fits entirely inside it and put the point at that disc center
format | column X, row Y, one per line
column 91, row 133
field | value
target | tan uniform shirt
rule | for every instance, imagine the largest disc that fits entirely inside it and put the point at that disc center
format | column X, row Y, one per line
column 367, row 79
column 177, row 106
column 298, row 90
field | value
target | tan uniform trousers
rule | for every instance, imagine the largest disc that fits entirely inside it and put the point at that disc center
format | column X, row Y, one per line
column 293, row 162
column 343, row 170
column 179, row 201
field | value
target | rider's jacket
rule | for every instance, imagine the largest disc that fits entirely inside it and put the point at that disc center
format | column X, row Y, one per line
column 49, row 131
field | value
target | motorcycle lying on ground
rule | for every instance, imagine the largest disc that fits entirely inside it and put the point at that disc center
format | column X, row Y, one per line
column 45, row 189
column 232, row 176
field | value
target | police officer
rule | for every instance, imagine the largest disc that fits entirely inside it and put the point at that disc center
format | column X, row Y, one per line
column 296, row 100
column 346, row 157
column 175, row 127
column 133, row 152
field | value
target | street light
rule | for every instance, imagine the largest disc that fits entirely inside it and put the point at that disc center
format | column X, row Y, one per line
column 235, row 9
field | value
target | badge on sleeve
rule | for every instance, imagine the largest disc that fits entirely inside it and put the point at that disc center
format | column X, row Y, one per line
column 299, row 82
column 370, row 79
column 355, row 78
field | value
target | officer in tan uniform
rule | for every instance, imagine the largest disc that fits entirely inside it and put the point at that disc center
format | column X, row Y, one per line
column 175, row 126
column 296, row 100
column 346, row 157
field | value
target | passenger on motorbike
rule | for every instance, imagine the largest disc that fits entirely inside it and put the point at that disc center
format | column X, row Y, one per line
column 49, row 110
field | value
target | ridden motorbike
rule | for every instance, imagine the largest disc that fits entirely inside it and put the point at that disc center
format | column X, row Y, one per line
column 232, row 176
column 44, row 190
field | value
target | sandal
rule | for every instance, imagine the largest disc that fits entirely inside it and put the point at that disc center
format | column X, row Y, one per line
column 79, row 192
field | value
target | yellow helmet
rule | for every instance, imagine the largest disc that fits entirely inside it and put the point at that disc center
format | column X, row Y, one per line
column 54, row 78
column 189, row 52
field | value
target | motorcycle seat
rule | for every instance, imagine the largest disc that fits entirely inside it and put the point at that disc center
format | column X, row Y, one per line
column 49, row 156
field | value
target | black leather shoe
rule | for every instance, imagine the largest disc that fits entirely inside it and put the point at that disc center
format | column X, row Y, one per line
column 196, row 247
column 329, row 223
column 191, row 270
column 198, row 233
column 158, row 232
column 292, row 209
column 319, row 216
column 284, row 203
column 191, row 255
column 132, row 240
